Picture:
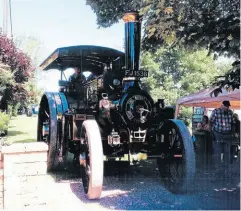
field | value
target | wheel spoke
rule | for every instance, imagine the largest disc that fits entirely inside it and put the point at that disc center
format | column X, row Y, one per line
column 179, row 147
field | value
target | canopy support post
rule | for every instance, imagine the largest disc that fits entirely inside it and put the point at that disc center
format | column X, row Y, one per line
column 177, row 111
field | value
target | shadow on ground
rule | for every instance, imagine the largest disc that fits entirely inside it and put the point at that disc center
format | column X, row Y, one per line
column 26, row 140
column 127, row 188
column 140, row 188
column 15, row 133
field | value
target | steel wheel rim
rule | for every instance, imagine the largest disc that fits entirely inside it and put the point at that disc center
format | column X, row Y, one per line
column 86, row 172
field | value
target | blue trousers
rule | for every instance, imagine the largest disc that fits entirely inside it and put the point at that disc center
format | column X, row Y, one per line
column 222, row 149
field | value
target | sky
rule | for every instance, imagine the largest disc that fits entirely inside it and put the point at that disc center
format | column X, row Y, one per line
column 60, row 23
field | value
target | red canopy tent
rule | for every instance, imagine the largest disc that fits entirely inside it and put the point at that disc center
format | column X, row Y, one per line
column 203, row 98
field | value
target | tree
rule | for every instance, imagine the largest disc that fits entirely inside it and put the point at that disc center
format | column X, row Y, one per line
column 175, row 72
column 179, row 71
column 6, row 77
column 31, row 46
column 33, row 92
column 213, row 24
column 20, row 68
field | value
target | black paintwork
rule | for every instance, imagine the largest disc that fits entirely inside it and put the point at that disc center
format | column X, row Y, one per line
column 87, row 57
column 130, row 122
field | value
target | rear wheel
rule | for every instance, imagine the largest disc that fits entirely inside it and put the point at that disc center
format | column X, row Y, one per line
column 92, row 168
column 177, row 162
column 50, row 127
column 47, row 131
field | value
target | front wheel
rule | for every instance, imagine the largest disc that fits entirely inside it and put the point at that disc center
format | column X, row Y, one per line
column 177, row 161
column 92, row 168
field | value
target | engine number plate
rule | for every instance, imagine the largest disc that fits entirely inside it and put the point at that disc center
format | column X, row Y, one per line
column 136, row 73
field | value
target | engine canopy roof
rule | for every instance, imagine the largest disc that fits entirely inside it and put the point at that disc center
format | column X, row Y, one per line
column 85, row 57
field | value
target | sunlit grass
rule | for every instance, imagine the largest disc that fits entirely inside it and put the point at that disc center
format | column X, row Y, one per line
column 22, row 129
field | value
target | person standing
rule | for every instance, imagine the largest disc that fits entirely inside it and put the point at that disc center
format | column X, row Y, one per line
column 222, row 125
column 204, row 124
column 236, row 141
column 237, row 125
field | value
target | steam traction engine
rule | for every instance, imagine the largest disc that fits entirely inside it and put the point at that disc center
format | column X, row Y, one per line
column 107, row 116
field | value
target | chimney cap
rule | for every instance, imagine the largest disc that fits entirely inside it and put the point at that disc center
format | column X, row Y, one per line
column 132, row 16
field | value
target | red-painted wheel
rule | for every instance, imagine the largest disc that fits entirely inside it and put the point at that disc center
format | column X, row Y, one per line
column 92, row 169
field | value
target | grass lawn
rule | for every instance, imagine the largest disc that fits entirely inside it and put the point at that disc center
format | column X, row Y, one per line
column 22, row 129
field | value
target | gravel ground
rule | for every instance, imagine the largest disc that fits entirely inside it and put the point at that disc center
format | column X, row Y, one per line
column 139, row 188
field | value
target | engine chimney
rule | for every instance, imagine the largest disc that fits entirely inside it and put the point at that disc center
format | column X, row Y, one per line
column 132, row 40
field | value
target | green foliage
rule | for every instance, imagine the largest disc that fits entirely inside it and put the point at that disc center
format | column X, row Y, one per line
column 210, row 24
column 6, row 79
column 186, row 116
column 6, row 76
column 177, row 72
column 15, row 108
column 17, row 60
column 4, row 121
column 17, row 83
column 109, row 12
column 34, row 93
column 10, row 110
